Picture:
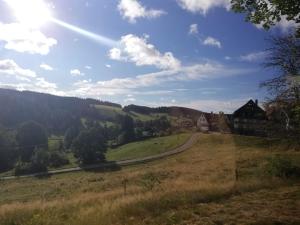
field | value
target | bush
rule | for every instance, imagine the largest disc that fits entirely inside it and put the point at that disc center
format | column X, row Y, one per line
column 57, row 159
column 22, row 168
column 31, row 135
column 149, row 181
column 280, row 166
column 38, row 163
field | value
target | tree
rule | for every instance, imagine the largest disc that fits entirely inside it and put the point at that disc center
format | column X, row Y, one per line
column 30, row 135
column 127, row 129
column 70, row 134
column 89, row 146
column 39, row 160
column 284, row 89
column 284, row 56
column 7, row 151
column 268, row 12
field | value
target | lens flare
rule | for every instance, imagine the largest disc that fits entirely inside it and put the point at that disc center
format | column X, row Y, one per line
column 35, row 13
column 96, row 37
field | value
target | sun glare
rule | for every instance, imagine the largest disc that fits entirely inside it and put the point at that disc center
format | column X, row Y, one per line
column 32, row 13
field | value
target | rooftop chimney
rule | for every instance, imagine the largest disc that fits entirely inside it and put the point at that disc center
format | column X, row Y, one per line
column 256, row 102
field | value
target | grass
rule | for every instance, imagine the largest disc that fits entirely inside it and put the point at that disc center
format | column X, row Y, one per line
column 110, row 110
column 198, row 186
column 148, row 147
column 148, row 117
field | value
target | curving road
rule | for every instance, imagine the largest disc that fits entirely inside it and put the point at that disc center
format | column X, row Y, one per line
column 189, row 143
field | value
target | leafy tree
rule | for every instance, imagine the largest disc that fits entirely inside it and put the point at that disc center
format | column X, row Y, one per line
column 70, row 134
column 57, row 159
column 7, row 151
column 39, row 160
column 127, row 129
column 38, row 163
column 31, row 135
column 89, row 146
column 268, row 12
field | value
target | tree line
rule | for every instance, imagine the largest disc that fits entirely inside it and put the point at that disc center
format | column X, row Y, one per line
column 27, row 150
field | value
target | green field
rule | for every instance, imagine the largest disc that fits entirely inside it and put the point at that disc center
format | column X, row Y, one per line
column 146, row 148
column 199, row 186
column 110, row 110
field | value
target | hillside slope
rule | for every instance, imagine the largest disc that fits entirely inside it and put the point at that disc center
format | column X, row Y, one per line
column 58, row 113
column 198, row 186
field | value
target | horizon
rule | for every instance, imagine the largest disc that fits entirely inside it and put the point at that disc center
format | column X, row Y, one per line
column 83, row 98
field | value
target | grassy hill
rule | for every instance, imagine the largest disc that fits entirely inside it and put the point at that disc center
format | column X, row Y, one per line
column 57, row 113
column 148, row 147
column 199, row 186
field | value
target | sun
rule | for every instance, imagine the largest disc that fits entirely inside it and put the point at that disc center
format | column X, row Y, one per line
column 31, row 13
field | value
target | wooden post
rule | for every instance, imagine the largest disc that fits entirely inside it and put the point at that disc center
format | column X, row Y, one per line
column 236, row 174
column 124, row 182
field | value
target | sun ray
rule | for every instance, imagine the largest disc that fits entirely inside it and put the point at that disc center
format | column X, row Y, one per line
column 96, row 37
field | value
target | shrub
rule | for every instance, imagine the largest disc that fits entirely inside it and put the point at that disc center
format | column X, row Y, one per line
column 150, row 181
column 22, row 168
column 39, row 162
column 280, row 166
column 57, row 159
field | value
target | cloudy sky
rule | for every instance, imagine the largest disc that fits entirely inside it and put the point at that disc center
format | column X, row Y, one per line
column 193, row 53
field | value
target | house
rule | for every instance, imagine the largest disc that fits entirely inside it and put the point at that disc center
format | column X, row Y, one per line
column 202, row 123
column 214, row 122
column 250, row 119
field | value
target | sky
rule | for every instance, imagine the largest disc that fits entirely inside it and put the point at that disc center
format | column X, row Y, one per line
column 191, row 53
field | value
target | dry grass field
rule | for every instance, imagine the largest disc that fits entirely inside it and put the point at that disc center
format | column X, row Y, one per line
column 222, row 179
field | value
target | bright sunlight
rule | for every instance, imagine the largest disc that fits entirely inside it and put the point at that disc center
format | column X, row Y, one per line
column 32, row 13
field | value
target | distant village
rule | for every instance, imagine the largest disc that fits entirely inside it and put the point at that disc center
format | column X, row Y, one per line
column 250, row 119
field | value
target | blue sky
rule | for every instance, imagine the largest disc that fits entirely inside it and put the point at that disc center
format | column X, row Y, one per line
column 193, row 53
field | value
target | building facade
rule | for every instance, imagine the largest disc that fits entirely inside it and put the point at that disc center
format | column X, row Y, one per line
column 250, row 119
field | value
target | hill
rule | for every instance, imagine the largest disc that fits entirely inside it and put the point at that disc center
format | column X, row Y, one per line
column 57, row 113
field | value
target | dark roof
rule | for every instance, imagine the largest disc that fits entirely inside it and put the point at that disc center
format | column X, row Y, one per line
column 250, row 110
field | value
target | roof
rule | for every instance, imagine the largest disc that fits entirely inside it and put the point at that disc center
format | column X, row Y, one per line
column 250, row 110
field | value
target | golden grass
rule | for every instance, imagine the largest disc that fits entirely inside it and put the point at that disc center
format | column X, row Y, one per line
column 195, row 187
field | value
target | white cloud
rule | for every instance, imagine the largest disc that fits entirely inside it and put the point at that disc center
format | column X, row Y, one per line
column 9, row 67
column 132, row 10
column 285, row 26
column 254, row 56
column 88, row 67
column 29, row 79
column 115, row 54
column 22, row 39
column 108, row 66
column 138, row 51
column 76, row 72
column 127, row 85
column 203, row 6
column 212, row 42
column 38, row 85
column 227, row 57
column 129, row 100
column 45, row 85
column 46, row 67
column 193, row 29
column 212, row 105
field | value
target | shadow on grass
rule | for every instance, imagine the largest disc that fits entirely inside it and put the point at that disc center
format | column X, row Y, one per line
column 110, row 166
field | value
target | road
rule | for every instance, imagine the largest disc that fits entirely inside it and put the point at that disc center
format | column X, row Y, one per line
column 189, row 143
